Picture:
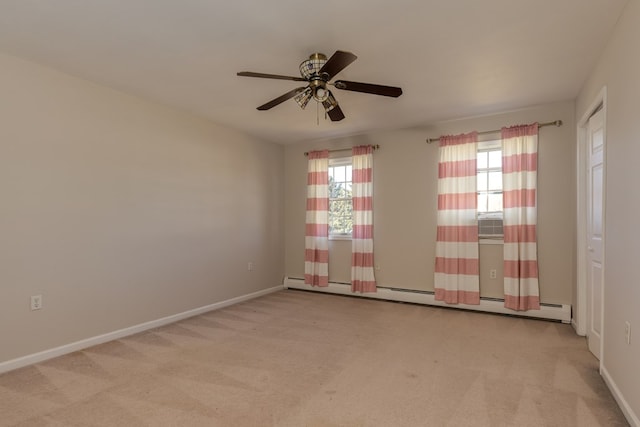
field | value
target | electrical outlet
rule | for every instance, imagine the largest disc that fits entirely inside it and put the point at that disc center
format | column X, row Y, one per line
column 493, row 273
column 250, row 266
column 36, row 302
column 627, row 332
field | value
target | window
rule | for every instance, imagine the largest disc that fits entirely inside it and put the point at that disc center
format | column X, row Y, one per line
column 490, row 189
column 340, row 202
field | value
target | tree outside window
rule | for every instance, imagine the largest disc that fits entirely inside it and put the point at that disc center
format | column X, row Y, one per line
column 340, row 198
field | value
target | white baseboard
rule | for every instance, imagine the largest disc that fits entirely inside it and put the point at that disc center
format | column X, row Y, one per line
column 89, row 342
column 560, row 312
column 631, row 417
column 574, row 325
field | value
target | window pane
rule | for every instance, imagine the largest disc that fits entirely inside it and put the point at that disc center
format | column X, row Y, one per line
column 494, row 202
column 339, row 228
column 482, row 181
column 341, row 217
column 340, row 203
column 340, row 207
column 495, row 181
column 482, row 202
column 345, row 191
column 489, row 184
column 333, row 189
column 495, row 159
column 341, row 191
column 482, row 160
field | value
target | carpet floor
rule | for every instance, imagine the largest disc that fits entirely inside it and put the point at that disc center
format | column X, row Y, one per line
column 296, row 358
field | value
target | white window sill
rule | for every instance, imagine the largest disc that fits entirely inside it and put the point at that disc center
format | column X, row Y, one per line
column 489, row 241
column 340, row 237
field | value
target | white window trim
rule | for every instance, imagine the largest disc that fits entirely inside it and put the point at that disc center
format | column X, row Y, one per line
column 492, row 144
column 340, row 236
column 490, row 215
column 490, row 239
column 341, row 161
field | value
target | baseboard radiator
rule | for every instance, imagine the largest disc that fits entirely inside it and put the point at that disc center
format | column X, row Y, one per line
column 556, row 312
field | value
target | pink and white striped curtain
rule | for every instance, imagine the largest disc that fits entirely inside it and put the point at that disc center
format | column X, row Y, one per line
column 316, row 242
column 362, row 274
column 519, row 178
column 457, row 278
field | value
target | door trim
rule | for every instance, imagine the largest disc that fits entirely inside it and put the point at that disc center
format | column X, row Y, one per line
column 580, row 316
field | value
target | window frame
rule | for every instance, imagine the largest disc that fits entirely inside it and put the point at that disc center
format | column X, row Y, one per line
column 485, row 147
column 336, row 162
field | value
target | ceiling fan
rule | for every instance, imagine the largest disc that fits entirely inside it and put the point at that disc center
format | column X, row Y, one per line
column 318, row 71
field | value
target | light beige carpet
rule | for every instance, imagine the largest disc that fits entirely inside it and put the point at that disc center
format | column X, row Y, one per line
column 303, row 359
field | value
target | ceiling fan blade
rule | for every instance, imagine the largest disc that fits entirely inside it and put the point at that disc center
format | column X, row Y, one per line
column 335, row 114
column 368, row 88
column 338, row 62
column 280, row 99
column 270, row 76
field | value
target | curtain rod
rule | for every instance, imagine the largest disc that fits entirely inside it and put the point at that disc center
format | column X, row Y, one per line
column 486, row 132
column 375, row 147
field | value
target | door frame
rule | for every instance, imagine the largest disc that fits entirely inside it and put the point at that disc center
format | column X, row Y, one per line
column 580, row 316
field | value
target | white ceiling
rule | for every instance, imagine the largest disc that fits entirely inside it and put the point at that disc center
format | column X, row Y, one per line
column 452, row 58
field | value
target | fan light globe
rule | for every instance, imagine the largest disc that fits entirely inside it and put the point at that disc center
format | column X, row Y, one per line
column 330, row 102
column 320, row 94
column 303, row 97
column 313, row 65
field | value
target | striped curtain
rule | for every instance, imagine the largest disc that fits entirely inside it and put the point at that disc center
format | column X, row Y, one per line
column 362, row 277
column 519, row 176
column 316, row 242
column 457, row 277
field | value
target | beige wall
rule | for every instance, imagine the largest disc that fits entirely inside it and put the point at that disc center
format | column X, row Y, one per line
column 619, row 70
column 120, row 211
column 405, row 191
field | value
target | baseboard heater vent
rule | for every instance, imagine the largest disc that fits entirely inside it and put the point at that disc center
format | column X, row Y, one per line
column 556, row 312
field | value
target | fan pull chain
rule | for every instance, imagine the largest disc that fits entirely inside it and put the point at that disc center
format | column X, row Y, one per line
column 317, row 113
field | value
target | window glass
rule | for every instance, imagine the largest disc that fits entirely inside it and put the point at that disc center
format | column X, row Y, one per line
column 494, row 202
column 495, row 181
column 495, row 159
column 340, row 198
column 482, row 160
column 482, row 181
column 489, row 179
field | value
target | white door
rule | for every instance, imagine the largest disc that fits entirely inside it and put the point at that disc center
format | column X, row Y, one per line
column 595, row 231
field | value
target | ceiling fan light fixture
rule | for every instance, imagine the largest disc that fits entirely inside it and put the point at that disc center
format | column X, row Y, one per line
column 317, row 72
column 303, row 97
column 320, row 93
column 313, row 65
column 330, row 102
